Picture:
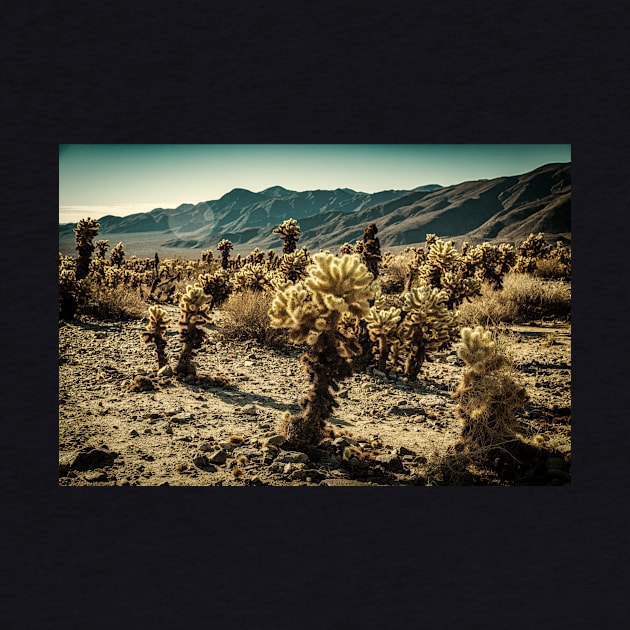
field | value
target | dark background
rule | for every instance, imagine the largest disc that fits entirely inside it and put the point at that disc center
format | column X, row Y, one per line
column 305, row 72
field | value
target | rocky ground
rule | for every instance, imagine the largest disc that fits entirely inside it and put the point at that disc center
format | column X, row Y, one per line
column 209, row 434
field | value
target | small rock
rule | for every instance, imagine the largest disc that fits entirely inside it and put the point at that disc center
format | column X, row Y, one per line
column 206, row 446
column 403, row 450
column 249, row 410
column 165, row 371
column 169, row 430
column 182, row 417
column 134, row 433
column 248, row 363
column 97, row 475
column 218, row 457
column 343, row 394
column 274, row 440
column 201, row 461
column 379, row 374
column 391, row 462
column 291, row 457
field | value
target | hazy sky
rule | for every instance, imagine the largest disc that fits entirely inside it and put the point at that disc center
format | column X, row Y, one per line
column 120, row 179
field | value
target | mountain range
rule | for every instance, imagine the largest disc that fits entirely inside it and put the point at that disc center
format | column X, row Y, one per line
column 505, row 209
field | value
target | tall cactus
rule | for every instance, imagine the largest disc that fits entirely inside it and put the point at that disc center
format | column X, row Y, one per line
column 194, row 310
column 312, row 310
column 289, row 232
column 224, row 247
column 85, row 231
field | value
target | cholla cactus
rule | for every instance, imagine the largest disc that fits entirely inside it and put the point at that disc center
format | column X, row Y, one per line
column 312, row 310
column 194, row 310
column 382, row 325
column 346, row 248
column 428, row 326
column 255, row 276
column 490, row 262
column 217, row 285
column 155, row 333
column 118, row 255
column 101, row 248
column 289, row 232
column 85, row 231
column 293, row 266
column 224, row 247
column 488, row 394
column 371, row 252
column 532, row 249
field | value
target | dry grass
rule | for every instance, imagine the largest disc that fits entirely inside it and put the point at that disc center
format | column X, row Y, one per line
column 245, row 317
column 523, row 296
column 117, row 303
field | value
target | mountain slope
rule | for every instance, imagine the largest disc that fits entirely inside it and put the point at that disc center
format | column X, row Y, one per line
column 505, row 209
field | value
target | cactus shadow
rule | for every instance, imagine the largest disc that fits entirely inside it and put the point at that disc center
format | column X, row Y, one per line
column 232, row 395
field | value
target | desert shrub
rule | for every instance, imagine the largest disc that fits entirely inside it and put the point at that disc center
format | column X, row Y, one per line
column 245, row 317
column 523, row 297
column 114, row 302
column 535, row 298
column 394, row 273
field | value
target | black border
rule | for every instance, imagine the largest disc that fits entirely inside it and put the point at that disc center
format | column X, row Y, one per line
column 270, row 72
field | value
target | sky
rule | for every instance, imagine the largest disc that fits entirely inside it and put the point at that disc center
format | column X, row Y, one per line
column 121, row 179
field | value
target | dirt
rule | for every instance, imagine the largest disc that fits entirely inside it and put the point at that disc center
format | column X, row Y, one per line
column 207, row 433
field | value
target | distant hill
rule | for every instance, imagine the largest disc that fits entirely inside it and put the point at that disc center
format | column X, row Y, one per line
column 504, row 209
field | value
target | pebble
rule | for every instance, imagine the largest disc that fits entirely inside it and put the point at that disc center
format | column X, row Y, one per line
column 249, row 410
column 292, row 457
column 182, row 417
column 218, row 457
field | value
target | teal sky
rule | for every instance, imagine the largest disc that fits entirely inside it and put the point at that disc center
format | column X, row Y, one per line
column 120, row 179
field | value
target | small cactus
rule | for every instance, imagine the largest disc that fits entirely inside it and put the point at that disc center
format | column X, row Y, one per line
column 382, row 325
column 488, row 394
column 194, row 310
column 155, row 333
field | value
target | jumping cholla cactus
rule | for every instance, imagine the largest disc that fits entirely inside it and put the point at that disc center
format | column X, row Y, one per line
column 101, row 248
column 155, row 333
column 224, row 247
column 117, row 255
column 382, row 325
column 293, row 266
column 255, row 276
column 488, row 394
column 312, row 310
column 530, row 251
column 85, row 231
column 427, row 327
column 371, row 251
column 490, row 262
column 194, row 310
column 289, row 232
column 217, row 285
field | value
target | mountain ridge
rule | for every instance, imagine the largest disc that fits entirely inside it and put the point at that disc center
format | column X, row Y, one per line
column 505, row 208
